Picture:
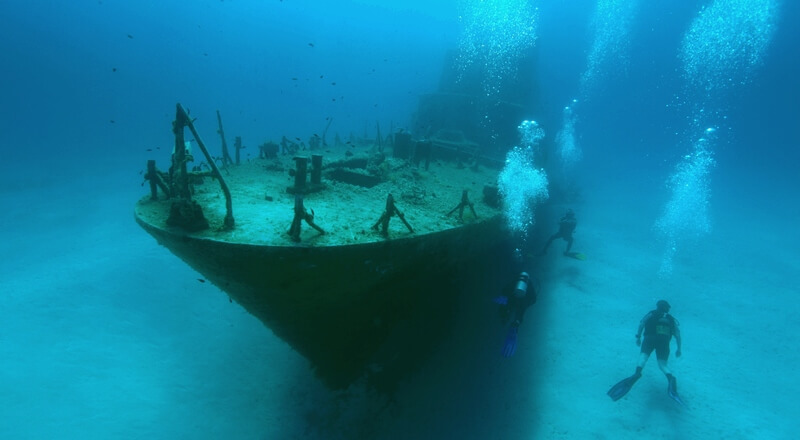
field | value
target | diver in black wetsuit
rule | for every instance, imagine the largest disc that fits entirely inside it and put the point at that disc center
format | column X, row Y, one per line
column 659, row 327
column 524, row 295
column 566, row 226
column 514, row 307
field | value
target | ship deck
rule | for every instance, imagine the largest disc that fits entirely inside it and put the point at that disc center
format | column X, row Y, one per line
column 263, row 209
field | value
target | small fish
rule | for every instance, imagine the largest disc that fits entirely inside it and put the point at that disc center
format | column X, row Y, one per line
column 333, row 99
column 201, row 280
column 294, row 78
column 298, row 138
column 333, row 83
column 149, row 149
column 130, row 36
column 112, row 121
column 205, row 54
column 320, row 77
column 316, row 135
column 113, row 69
column 311, row 44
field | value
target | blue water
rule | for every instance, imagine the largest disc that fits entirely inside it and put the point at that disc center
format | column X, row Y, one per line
column 105, row 334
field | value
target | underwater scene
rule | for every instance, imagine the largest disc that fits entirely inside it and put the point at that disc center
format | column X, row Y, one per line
column 380, row 219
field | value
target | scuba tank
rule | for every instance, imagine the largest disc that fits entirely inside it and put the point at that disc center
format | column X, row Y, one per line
column 521, row 288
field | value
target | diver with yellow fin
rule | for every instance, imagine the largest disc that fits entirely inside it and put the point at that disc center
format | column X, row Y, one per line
column 659, row 327
column 566, row 227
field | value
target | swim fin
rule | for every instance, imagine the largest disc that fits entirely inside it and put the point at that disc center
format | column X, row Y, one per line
column 672, row 389
column 576, row 255
column 622, row 387
column 510, row 345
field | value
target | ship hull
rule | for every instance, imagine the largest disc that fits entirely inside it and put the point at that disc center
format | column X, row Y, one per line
column 376, row 308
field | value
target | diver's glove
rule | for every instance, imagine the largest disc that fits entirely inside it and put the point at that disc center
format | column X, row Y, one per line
column 502, row 300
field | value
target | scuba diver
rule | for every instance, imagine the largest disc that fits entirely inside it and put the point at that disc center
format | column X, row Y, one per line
column 514, row 306
column 566, row 226
column 659, row 327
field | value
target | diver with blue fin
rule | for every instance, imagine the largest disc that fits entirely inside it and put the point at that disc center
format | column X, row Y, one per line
column 659, row 327
column 514, row 306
